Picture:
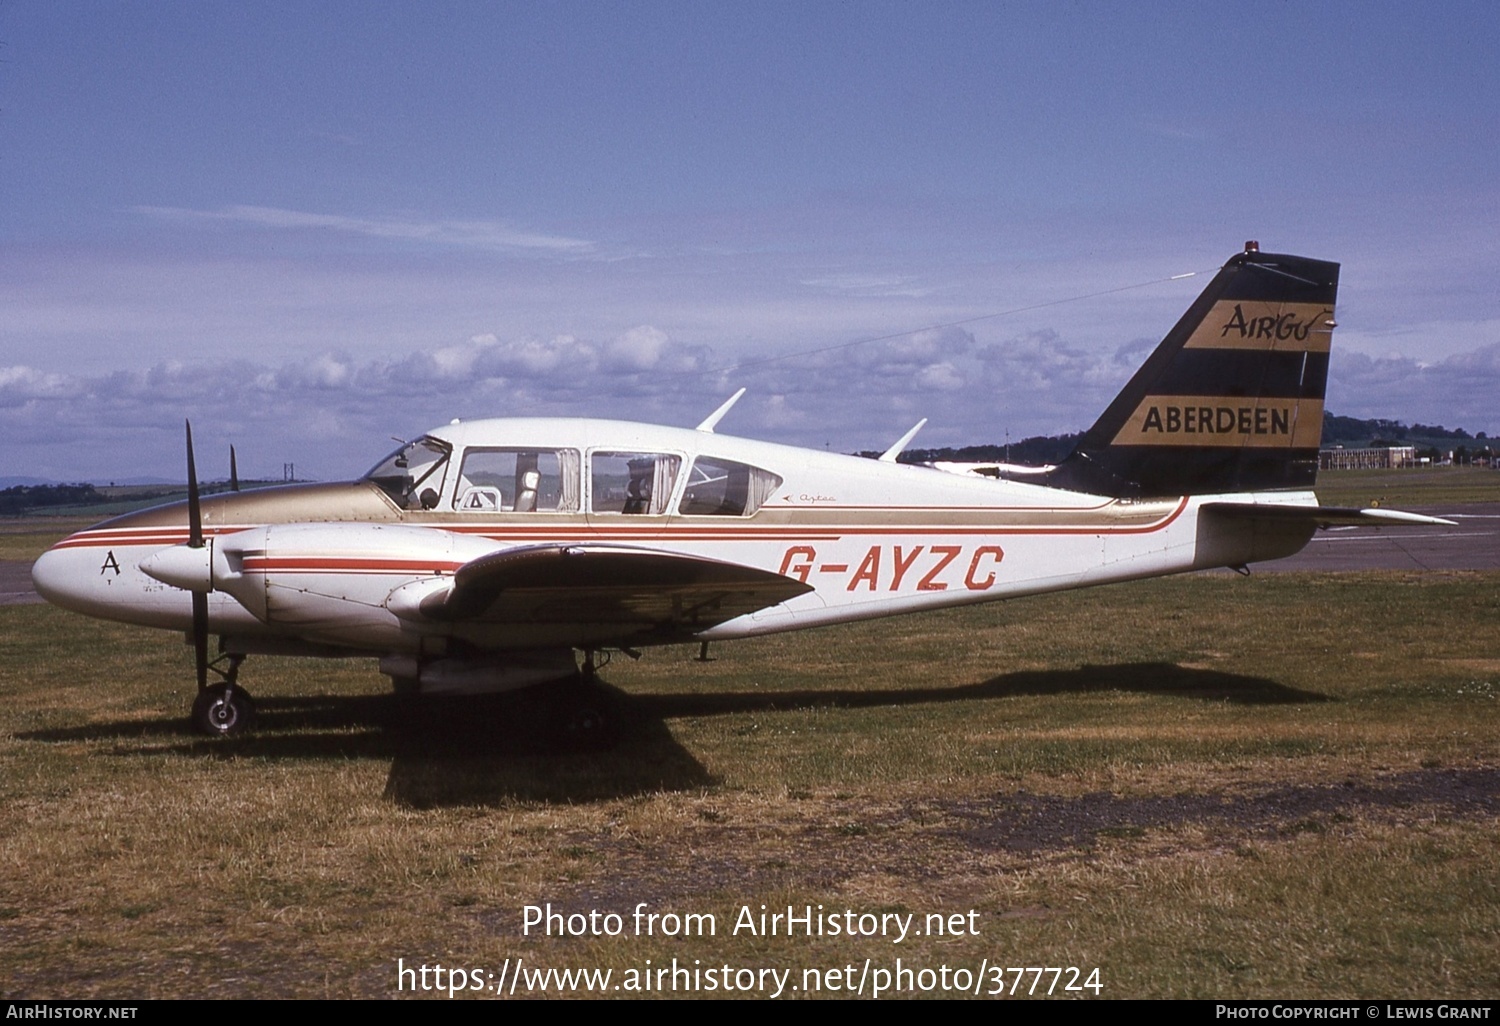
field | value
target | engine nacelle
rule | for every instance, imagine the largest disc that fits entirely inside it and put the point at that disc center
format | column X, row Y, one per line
column 203, row 568
column 334, row 582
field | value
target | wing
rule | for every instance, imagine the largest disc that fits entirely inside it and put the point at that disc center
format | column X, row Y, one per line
column 600, row 584
column 1324, row 516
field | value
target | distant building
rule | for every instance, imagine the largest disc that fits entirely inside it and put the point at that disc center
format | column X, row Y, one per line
column 1367, row 459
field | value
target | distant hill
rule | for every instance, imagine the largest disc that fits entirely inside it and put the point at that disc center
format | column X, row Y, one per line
column 159, row 482
column 1352, row 432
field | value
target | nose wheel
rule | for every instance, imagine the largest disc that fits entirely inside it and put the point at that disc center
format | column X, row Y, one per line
column 225, row 708
column 221, row 710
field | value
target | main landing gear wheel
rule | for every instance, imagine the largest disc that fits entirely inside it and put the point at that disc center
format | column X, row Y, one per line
column 586, row 727
column 584, row 713
column 222, row 710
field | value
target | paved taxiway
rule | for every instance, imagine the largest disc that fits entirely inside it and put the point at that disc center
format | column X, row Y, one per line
column 1472, row 545
column 15, row 583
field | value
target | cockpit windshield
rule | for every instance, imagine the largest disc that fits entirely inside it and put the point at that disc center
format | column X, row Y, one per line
column 413, row 475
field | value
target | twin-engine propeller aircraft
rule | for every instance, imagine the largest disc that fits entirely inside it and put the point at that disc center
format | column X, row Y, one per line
column 481, row 556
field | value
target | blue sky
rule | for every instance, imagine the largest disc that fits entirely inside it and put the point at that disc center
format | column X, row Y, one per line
column 312, row 226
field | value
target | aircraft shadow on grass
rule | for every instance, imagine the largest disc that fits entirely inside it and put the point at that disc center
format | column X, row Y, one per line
column 443, row 750
column 1145, row 678
column 497, row 748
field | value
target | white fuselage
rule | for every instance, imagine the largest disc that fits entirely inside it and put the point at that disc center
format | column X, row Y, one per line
column 347, row 566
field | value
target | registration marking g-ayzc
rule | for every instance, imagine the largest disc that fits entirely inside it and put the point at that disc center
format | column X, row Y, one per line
column 889, row 567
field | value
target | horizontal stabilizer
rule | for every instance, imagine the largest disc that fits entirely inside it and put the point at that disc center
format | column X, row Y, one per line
column 1324, row 516
column 671, row 593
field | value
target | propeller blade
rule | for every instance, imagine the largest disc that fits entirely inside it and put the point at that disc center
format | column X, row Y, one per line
column 195, row 509
column 200, row 637
column 234, row 472
column 195, row 541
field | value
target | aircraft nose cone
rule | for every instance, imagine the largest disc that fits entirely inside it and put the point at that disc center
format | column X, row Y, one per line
column 58, row 577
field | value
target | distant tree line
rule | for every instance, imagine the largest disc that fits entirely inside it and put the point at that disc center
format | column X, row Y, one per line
column 18, row 500
column 1376, row 432
column 1034, row 451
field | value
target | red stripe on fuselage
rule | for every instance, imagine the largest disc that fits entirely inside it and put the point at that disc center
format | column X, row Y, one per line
column 346, row 565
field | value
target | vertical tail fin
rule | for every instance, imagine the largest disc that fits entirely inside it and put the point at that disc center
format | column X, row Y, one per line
column 1232, row 398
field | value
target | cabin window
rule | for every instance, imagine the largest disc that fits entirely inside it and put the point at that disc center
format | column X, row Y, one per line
column 723, row 488
column 632, row 482
column 518, row 481
column 413, row 475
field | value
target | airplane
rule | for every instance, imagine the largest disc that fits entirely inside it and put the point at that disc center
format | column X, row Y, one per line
column 484, row 555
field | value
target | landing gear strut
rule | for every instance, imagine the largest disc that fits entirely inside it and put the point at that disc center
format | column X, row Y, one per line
column 223, row 709
column 581, row 720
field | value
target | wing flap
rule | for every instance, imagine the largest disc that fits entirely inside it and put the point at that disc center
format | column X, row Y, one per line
column 1325, row 516
column 598, row 584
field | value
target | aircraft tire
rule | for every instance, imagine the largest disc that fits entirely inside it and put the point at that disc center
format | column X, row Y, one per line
column 218, row 714
column 583, row 716
column 586, row 728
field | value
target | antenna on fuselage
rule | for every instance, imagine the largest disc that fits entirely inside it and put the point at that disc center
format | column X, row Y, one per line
column 718, row 415
column 889, row 456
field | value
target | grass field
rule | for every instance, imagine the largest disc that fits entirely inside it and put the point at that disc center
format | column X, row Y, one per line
column 1206, row 786
column 26, row 538
column 1397, row 488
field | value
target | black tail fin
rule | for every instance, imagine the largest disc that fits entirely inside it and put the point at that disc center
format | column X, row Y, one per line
column 1232, row 399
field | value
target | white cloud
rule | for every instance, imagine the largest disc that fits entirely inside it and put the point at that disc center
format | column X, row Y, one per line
column 941, row 377
column 1458, row 391
column 640, row 349
column 872, row 285
column 327, row 371
column 932, row 342
column 450, row 363
column 1042, row 362
column 490, row 235
column 559, row 360
column 332, row 412
column 1422, row 340
column 21, row 384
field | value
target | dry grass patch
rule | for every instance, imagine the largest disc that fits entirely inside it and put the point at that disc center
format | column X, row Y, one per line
column 1206, row 791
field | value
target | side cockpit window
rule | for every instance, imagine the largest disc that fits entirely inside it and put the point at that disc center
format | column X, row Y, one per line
column 724, row 488
column 518, row 481
column 632, row 482
column 413, row 475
